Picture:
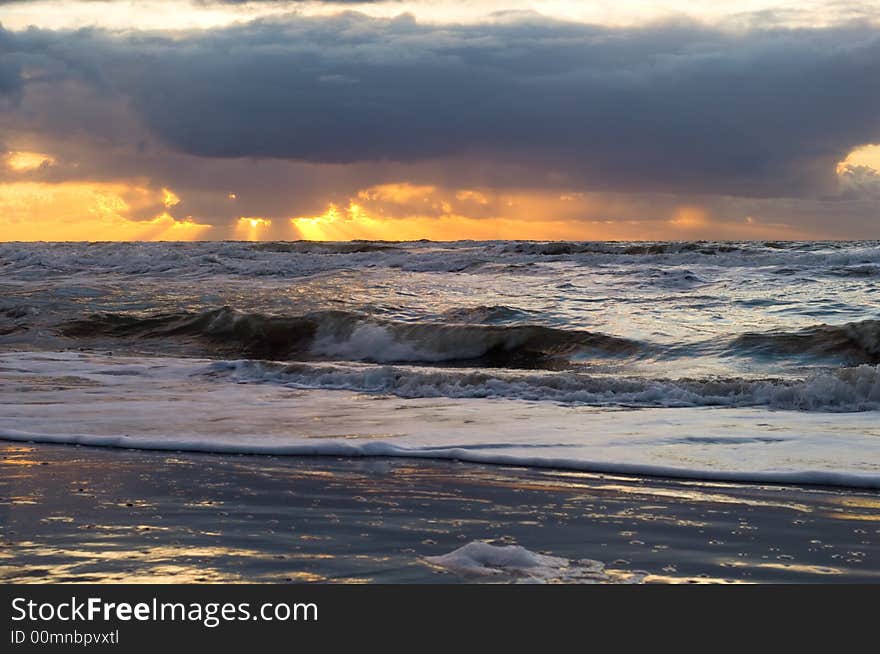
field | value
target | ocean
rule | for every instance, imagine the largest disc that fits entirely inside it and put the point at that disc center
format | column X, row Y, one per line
column 729, row 361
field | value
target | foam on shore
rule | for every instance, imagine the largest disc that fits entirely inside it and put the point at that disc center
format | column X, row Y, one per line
column 170, row 404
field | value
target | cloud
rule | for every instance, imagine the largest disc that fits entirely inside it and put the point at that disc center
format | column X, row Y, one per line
column 83, row 211
column 407, row 211
column 860, row 182
column 674, row 107
column 674, row 128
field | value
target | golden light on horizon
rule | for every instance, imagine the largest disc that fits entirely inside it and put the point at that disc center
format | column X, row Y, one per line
column 403, row 212
column 400, row 211
column 22, row 161
column 251, row 228
column 353, row 223
column 85, row 211
column 409, row 212
column 689, row 217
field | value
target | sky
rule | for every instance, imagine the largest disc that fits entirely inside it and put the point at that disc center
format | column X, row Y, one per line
column 452, row 119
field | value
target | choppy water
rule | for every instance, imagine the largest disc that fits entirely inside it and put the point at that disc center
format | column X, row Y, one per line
column 730, row 344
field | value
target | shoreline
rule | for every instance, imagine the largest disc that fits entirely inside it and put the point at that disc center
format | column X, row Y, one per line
column 72, row 514
column 848, row 481
column 112, row 401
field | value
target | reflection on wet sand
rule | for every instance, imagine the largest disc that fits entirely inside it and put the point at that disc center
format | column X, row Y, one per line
column 84, row 515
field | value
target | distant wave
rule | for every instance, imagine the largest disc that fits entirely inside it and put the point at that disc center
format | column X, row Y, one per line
column 857, row 270
column 320, row 247
column 842, row 390
column 304, row 258
column 557, row 248
column 842, row 253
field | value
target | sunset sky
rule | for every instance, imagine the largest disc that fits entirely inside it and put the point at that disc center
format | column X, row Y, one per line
column 451, row 119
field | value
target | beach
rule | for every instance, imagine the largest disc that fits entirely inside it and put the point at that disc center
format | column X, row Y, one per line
column 82, row 514
column 416, row 412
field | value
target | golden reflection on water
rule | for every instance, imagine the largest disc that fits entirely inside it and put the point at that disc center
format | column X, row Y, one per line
column 788, row 567
column 557, row 481
column 859, row 502
column 305, row 577
column 693, row 495
column 21, row 499
column 127, row 529
column 668, row 579
column 164, row 567
column 684, row 491
column 19, row 462
column 166, row 564
column 583, row 494
column 842, row 515
column 14, row 455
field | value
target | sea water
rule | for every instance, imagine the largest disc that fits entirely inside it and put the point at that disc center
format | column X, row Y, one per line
column 753, row 361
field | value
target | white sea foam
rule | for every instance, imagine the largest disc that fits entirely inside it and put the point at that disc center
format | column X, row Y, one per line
column 480, row 560
column 426, row 342
column 847, row 389
column 171, row 404
column 380, row 343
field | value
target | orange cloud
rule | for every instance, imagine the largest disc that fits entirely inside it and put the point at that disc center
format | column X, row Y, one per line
column 866, row 155
column 407, row 212
column 169, row 198
column 22, row 161
column 401, row 211
column 85, row 211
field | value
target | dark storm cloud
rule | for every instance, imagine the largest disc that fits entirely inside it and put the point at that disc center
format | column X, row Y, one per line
column 670, row 107
column 10, row 79
column 11, row 82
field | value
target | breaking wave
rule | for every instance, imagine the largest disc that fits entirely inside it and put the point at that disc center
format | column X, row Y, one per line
column 357, row 337
column 494, row 336
column 841, row 390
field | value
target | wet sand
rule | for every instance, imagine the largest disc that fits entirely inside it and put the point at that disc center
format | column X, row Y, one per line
column 76, row 514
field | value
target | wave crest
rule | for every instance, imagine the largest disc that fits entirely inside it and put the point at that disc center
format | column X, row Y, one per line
column 844, row 390
column 354, row 336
